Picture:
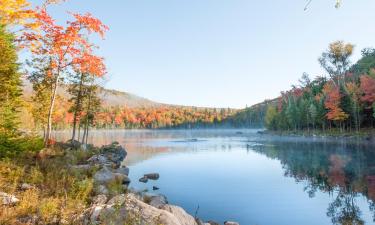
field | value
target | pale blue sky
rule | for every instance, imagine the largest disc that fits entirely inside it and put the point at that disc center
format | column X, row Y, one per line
column 221, row 53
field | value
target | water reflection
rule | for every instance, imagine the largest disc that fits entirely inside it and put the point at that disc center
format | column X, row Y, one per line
column 250, row 178
column 344, row 171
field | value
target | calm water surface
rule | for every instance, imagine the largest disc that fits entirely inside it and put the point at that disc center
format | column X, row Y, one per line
column 238, row 175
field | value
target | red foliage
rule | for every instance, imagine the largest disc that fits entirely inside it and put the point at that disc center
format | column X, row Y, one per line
column 368, row 89
column 332, row 102
column 68, row 46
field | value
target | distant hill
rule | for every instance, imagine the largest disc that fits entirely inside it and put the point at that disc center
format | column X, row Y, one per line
column 110, row 98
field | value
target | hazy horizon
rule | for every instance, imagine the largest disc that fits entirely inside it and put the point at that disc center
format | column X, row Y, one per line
column 219, row 53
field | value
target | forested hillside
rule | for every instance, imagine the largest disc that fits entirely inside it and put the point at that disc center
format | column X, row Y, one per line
column 124, row 110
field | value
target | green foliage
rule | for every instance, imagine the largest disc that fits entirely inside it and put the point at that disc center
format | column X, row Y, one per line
column 271, row 114
column 11, row 146
column 10, row 85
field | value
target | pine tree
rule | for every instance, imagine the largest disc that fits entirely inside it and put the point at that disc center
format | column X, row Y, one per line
column 10, row 84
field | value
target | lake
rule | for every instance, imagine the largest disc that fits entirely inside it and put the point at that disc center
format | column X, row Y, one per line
column 240, row 175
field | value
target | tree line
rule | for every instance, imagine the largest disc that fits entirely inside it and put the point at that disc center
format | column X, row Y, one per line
column 343, row 100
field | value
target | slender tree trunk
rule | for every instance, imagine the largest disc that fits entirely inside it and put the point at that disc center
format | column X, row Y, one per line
column 50, row 111
column 78, row 102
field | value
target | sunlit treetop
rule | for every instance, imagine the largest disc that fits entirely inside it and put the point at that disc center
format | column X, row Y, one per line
column 15, row 12
column 67, row 46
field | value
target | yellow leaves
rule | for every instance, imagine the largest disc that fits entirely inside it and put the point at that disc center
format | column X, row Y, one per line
column 15, row 12
column 340, row 49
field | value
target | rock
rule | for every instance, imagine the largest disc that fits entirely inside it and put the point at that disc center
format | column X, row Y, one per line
column 183, row 217
column 169, row 215
column 96, row 210
column 155, row 188
column 105, row 176
column 210, row 222
column 152, row 176
column 7, row 199
column 114, row 152
column 26, row 186
column 143, row 179
column 100, row 199
column 101, row 189
column 231, row 223
column 158, row 201
column 123, row 170
column 117, row 200
column 98, row 159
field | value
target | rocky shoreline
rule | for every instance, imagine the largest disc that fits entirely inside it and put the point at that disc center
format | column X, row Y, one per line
column 142, row 207
column 111, row 201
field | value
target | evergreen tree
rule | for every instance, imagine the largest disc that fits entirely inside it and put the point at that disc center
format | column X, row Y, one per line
column 10, row 84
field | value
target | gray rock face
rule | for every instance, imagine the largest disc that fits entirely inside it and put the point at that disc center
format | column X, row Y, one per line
column 114, row 152
column 105, row 176
column 123, row 170
column 152, row 176
column 169, row 215
column 231, row 223
column 7, row 199
column 101, row 190
column 98, row 160
column 158, row 201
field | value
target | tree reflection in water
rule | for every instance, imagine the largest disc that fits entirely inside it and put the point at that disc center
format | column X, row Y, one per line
column 345, row 171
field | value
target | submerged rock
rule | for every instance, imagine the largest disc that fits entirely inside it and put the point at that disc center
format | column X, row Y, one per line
column 143, row 179
column 152, row 176
column 210, row 222
column 155, row 188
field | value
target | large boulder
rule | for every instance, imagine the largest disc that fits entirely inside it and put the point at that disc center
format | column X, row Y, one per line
column 158, row 201
column 182, row 216
column 123, row 170
column 231, row 223
column 105, row 176
column 169, row 215
column 114, row 152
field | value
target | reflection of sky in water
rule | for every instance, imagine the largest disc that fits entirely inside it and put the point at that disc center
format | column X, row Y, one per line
column 239, row 176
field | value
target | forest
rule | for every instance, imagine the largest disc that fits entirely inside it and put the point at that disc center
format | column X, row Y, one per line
column 343, row 100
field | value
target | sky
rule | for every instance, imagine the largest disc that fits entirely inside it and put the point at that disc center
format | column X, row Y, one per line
column 219, row 53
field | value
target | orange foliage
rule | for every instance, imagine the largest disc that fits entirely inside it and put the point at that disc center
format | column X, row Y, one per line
column 68, row 46
column 368, row 88
column 332, row 102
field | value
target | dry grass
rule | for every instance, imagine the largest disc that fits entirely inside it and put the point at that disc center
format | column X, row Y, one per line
column 58, row 193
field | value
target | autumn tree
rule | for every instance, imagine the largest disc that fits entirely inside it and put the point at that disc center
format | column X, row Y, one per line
column 354, row 93
column 61, row 48
column 270, row 118
column 332, row 103
column 368, row 88
column 336, row 60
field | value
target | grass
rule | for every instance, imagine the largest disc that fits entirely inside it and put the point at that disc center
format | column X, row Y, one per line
column 57, row 194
